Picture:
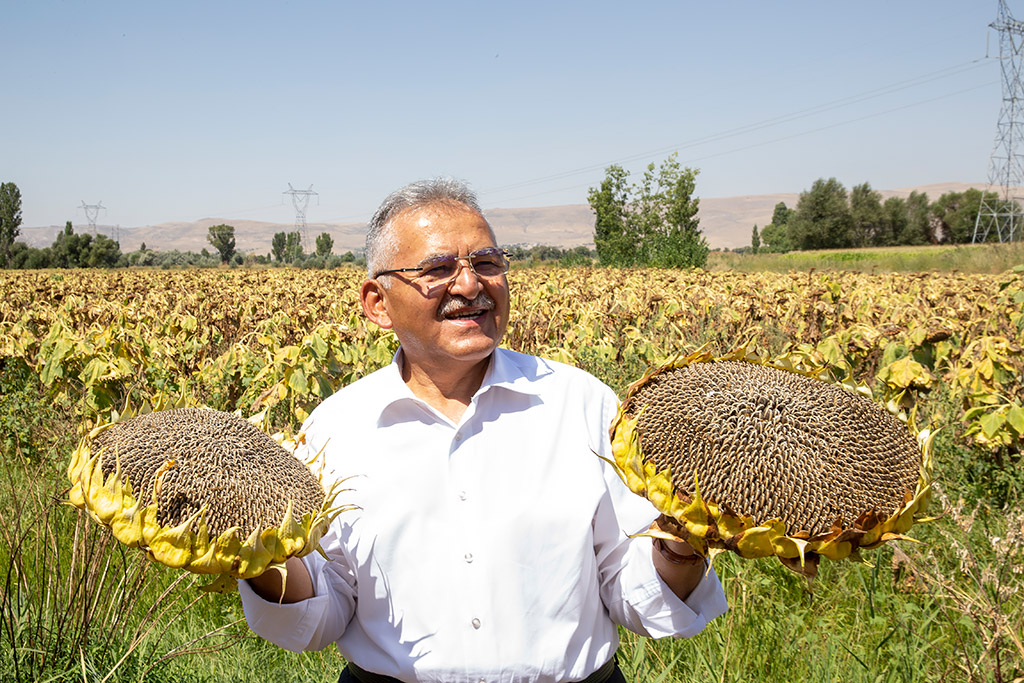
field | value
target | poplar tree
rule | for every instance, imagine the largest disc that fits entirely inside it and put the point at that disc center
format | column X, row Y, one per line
column 10, row 220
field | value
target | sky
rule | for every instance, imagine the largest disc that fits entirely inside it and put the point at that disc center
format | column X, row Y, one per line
column 176, row 111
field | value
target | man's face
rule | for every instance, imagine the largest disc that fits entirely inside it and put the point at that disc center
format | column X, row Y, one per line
column 460, row 322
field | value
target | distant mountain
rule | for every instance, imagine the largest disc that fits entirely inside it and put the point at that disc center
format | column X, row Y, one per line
column 725, row 221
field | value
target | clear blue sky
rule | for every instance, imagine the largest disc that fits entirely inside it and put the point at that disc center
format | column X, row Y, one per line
column 176, row 111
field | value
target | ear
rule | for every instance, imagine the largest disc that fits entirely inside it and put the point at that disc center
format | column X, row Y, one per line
column 375, row 306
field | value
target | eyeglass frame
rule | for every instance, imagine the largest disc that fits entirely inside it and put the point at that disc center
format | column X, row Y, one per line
column 468, row 258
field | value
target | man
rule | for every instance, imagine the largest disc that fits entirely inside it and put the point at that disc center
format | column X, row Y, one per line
column 490, row 543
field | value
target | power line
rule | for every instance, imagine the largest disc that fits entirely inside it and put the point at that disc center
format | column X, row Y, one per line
column 782, row 138
column 758, row 125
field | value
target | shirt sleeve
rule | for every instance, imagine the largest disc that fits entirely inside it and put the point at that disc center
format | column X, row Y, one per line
column 632, row 590
column 314, row 623
column 319, row 621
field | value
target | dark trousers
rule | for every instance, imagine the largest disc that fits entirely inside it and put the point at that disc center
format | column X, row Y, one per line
column 348, row 677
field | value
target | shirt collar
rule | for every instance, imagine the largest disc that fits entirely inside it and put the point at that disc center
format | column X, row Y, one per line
column 514, row 371
column 508, row 370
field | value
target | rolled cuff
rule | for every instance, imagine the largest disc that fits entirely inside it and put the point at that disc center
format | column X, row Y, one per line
column 658, row 612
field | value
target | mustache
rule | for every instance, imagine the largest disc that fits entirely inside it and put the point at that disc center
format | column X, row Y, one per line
column 454, row 302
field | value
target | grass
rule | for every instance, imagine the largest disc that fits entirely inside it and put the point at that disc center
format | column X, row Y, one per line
column 981, row 258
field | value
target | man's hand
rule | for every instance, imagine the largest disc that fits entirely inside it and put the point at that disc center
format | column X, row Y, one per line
column 674, row 559
column 297, row 586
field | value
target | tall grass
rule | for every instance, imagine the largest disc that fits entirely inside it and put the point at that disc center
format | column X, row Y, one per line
column 75, row 605
column 980, row 258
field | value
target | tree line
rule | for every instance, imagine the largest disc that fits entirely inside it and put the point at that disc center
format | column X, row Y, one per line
column 84, row 250
column 78, row 250
column 829, row 217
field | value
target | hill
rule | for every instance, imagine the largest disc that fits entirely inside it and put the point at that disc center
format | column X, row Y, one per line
column 725, row 221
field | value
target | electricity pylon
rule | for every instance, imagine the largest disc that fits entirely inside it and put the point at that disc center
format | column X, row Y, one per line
column 300, row 200
column 1002, row 212
column 91, row 212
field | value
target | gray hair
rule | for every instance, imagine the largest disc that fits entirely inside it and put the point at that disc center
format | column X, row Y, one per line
column 380, row 242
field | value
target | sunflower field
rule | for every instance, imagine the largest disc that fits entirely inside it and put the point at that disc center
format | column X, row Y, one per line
column 943, row 348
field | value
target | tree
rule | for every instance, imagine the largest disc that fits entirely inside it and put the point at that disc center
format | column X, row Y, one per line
column 781, row 214
column 70, row 250
column 278, row 245
column 653, row 224
column 615, row 246
column 775, row 235
column 954, row 214
column 775, row 239
column 222, row 238
column 894, row 218
column 103, row 253
column 755, row 240
column 868, row 217
column 10, row 220
column 324, row 244
column 293, row 247
column 919, row 225
column 822, row 219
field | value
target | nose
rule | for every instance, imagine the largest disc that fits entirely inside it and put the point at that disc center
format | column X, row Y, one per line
column 466, row 282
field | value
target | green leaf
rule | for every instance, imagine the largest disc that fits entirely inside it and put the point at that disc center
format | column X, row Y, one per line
column 317, row 345
column 991, row 424
column 93, row 370
column 1015, row 418
column 297, row 381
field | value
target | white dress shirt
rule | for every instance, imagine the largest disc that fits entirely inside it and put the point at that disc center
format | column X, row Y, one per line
column 492, row 549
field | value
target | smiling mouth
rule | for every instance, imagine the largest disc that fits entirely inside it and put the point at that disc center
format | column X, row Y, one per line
column 461, row 308
column 465, row 315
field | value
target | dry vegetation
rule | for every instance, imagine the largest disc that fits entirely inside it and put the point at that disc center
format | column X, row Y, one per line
column 77, row 346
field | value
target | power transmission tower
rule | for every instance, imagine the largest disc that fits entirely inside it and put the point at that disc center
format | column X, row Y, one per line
column 91, row 212
column 1003, row 212
column 300, row 200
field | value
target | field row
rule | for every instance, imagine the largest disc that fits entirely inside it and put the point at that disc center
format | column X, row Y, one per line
column 255, row 339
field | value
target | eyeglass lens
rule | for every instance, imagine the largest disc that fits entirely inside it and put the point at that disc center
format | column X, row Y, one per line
column 485, row 263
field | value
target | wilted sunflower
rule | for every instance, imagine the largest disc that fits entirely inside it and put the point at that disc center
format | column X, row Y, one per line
column 201, row 490
column 762, row 458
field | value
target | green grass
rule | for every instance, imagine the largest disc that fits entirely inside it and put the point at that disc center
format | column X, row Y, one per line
column 981, row 258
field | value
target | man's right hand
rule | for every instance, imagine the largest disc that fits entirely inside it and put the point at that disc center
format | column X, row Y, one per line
column 297, row 586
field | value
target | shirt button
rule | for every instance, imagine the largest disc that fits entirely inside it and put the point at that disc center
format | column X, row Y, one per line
column 462, row 495
column 476, row 623
column 458, row 437
column 469, row 557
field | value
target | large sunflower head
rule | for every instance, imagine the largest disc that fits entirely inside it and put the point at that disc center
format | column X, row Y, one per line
column 763, row 458
column 201, row 490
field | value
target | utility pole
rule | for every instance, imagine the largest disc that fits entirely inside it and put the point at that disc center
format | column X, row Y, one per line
column 300, row 200
column 1003, row 212
column 91, row 212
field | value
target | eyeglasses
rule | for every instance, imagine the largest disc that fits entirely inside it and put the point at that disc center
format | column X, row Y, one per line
column 439, row 270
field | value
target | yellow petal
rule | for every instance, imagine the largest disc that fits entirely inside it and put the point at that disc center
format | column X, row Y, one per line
column 290, row 534
column 126, row 525
column 173, row 546
column 226, row 548
column 253, row 558
column 148, row 524
column 272, row 544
